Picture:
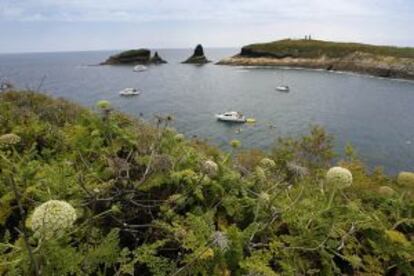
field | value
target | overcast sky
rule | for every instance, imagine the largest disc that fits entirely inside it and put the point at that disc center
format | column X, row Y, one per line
column 70, row 25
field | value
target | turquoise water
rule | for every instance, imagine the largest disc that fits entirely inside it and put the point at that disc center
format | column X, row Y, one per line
column 375, row 115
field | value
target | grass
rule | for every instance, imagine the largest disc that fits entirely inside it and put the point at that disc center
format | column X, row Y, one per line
column 317, row 48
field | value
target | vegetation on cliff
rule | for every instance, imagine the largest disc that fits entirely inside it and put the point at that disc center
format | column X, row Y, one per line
column 150, row 202
column 137, row 56
column 304, row 48
column 382, row 61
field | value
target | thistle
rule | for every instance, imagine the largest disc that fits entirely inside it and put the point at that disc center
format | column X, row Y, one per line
column 339, row 177
column 52, row 217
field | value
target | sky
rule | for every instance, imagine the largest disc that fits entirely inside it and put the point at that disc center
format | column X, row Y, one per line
column 73, row 25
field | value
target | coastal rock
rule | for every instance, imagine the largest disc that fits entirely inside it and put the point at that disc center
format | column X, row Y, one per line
column 156, row 59
column 198, row 56
column 389, row 62
column 139, row 56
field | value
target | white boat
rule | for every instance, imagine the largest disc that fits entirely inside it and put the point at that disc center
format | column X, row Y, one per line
column 282, row 88
column 140, row 68
column 231, row 116
column 129, row 92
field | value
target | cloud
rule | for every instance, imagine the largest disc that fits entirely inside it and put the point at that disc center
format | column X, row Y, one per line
column 225, row 10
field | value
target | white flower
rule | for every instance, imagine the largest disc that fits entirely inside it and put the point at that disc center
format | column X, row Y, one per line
column 210, row 168
column 264, row 196
column 386, row 191
column 179, row 137
column 406, row 179
column 267, row 163
column 103, row 104
column 220, row 240
column 260, row 173
column 9, row 139
column 339, row 177
column 52, row 217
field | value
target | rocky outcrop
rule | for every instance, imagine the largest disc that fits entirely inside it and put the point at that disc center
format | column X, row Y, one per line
column 198, row 56
column 156, row 59
column 139, row 56
column 366, row 59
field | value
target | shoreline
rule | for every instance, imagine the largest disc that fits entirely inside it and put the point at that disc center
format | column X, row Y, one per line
column 298, row 68
column 360, row 64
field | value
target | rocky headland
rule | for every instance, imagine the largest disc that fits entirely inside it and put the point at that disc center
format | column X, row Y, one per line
column 136, row 56
column 198, row 56
column 381, row 61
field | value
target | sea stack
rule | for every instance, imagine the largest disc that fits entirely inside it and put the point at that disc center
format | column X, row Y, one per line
column 156, row 59
column 198, row 57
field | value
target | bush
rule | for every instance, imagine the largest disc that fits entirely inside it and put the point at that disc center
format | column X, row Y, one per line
column 151, row 203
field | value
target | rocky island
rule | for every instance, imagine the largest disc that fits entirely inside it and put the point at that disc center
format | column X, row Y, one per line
column 381, row 61
column 136, row 56
column 198, row 56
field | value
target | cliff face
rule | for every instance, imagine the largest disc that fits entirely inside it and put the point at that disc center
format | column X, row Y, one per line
column 379, row 61
column 198, row 56
column 139, row 56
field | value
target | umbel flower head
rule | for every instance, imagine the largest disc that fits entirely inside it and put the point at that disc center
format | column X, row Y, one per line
column 267, row 163
column 103, row 104
column 52, row 218
column 386, row 191
column 339, row 177
column 220, row 240
column 235, row 143
column 179, row 137
column 210, row 168
column 406, row 179
column 9, row 139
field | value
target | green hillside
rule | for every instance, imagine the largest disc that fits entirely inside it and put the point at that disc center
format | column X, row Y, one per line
column 95, row 192
column 317, row 48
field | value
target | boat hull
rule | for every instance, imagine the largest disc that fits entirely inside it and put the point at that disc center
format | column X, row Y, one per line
column 230, row 120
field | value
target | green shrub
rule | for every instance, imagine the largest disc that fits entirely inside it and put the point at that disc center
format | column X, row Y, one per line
column 149, row 202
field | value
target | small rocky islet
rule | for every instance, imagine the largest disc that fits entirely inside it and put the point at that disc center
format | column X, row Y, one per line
column 379, row 61
column 198, row 56
column 135, row 56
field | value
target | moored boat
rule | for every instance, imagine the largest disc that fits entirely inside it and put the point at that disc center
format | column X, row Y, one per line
column 282, row 88
column 140, row 68
column 129, row 92
column 231, row 116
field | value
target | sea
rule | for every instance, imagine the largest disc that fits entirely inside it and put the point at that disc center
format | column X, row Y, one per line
column 374, row 115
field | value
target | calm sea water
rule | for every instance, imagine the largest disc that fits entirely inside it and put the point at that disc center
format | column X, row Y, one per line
column 375, row 115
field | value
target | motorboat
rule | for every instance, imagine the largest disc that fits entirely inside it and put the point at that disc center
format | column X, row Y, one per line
column 282, row 88
column 231, row 116
column 129, row 92
column 140, row 68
